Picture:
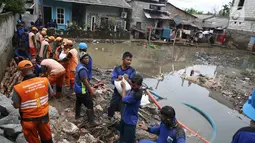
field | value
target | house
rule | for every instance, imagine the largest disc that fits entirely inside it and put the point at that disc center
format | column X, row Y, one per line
column 86, row 13
column 213, row 22
column 242, row 15
column 147, row 13
column 184, row 18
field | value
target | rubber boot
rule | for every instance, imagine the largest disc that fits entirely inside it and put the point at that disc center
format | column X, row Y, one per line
column 77, row 113
column 91, row 118
column 58, row 94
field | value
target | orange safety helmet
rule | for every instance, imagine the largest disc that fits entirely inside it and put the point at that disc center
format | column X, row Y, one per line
column 34, row 28
column 25, row 64
column 52, row 38
column 44, row 33
column 58, row 39
column 70, row 43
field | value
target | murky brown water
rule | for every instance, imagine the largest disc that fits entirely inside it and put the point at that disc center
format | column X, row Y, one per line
column 176, row 91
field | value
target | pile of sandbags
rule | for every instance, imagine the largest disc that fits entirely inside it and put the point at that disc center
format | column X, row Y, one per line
column 12, row 77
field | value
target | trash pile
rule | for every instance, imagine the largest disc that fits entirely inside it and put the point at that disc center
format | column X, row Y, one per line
column 11, row 77
column 66, row 129
column 235, row 75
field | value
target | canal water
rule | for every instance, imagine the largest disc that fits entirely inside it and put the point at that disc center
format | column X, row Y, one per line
column 173, row 62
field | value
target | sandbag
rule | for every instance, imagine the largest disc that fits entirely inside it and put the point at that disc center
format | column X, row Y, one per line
column 145, row 100
column 118, row 85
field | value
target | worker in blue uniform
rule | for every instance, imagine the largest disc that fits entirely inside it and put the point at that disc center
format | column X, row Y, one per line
column 20, row 54
column 129, row 116
column 169, row 130
column 247, row 134
column 119, row 72
column 83, row 47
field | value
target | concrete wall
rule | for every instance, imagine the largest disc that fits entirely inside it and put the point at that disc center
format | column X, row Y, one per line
column 246, row 20
column 7, row 26
column 241, row 38
column 138, row 14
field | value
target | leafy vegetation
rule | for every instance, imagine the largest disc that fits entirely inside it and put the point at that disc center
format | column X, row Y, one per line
column 193, row 11
column 16, row 6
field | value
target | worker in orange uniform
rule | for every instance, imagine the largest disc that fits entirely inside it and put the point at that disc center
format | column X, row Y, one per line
column 32, row 42
column 46, row 49
column 55, row 72
column 72, row 59
column 31, row 97
column 59, row 46
column 39, row 37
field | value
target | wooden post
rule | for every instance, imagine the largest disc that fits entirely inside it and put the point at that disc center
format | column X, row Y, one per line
column 150, row 35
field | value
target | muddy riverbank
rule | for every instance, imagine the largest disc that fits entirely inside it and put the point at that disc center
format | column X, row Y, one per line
column 234, row 68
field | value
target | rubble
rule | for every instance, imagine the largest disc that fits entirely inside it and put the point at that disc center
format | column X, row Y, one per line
column 11, row 131
column 21, row 139
column 12, row 76
column 70, row 128
column 4, row 140
column 235, row 75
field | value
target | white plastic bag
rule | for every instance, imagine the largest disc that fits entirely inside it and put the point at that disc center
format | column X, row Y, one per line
column 62, row 55
column 145, row 100
column 118, row 85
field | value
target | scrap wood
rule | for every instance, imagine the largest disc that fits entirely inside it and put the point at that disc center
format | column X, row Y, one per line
column 139, row 113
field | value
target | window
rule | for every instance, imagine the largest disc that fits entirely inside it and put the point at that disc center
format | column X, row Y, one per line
column 241, row 4
column 154, row 7
column 60, row 16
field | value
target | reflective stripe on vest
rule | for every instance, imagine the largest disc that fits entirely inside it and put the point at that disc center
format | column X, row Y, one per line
column 34, row 103
column 83, row 88
column 33, row 95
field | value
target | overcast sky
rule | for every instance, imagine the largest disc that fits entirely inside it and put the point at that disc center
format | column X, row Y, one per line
column 201, row 5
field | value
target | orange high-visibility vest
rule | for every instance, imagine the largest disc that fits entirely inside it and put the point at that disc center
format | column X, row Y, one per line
column 57, row 53
column 73, row 61
column 34, row 97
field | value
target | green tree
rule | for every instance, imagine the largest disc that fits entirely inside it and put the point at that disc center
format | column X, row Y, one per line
column 193, row 11
column 225, row 11
column 16, row 6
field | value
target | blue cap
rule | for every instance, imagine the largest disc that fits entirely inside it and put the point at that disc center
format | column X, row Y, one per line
column 83, row 46
column 249, row 107
column 19, row 21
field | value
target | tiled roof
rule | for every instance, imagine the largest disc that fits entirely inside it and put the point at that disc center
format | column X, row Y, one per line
column 112, row 3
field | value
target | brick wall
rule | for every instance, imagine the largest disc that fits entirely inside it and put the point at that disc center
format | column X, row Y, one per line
column 246, row 21
column 7, row 26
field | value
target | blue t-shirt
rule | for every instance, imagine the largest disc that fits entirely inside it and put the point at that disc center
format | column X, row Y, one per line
column 119, row 71
column 81, row 73
column 165, row 135
column 132, row 103
column 89, row 67
column 244, row 135
column 21, row 53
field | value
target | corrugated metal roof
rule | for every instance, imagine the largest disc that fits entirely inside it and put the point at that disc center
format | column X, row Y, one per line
column 203, row 16
column 151, row 14
column 112, row 3
column 216, row 22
